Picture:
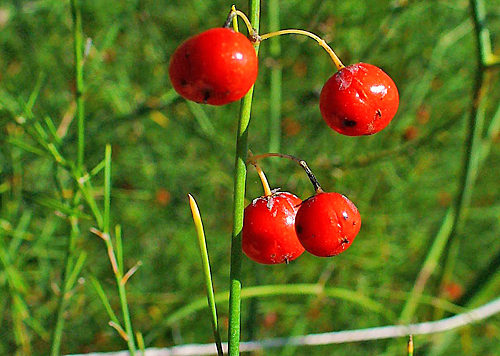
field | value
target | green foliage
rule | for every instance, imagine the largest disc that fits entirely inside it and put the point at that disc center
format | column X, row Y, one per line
column 402, row 179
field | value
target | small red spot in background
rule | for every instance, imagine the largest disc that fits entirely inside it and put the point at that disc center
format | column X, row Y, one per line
column 270, row 320
column 453, row 290
column 411, row 133
column 162, row 196
column 423, row 115
column 291, row 127
column 444, row 198
column 300, row 69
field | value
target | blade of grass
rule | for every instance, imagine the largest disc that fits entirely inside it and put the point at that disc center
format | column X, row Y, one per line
column 104, row 299
column 202, row 119
column 77, row 269
column 34, row 94
column 38, row 328
column 205, row 262
column 25, row 146
column 20, row 232
column 98, row 168
column 140, row 343
column 86, row 189
column 53, row 130
column 56, row 205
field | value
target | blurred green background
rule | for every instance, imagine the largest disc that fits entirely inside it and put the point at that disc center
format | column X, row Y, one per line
column 403, row 179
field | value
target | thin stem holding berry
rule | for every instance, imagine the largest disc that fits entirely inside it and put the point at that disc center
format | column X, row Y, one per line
column 231, row 18
column 318, row 39
column 255, row 37
column 302, row 163
column 262, row 176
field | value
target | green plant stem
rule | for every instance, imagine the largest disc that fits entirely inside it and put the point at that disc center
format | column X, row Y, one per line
column 66, row 286
column 78, row 47
column 63, row 298
column 475, row 143
column 116, row 270
column 275, row 79
column 239, row 205
column 126, row 315
column 470, row 167
column 482, row 33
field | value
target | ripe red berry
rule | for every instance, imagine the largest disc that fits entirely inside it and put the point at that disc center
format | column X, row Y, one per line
column 327, row 223
column 269, row 229
column 359, row 100
column 216, row 67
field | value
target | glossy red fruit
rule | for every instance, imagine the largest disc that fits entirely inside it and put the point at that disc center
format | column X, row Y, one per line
column 216, row 67
column 359, row 100
column 269, row 229
column 327, row 223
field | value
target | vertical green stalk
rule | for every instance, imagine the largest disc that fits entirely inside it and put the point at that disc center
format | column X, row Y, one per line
column 126, row 316
column 275, row 80
column 75, row 231
column 78, row 44
column 107, row 189
column 66, row 286
column 107, row 239
column 483, row 39
column 476, row 115
column 239, row 204
column 444, row 244
column 474, row 144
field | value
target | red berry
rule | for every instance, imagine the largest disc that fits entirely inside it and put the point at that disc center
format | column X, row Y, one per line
column 268, row 229
column 359, row 100
column 327, row 224
column 216, row 67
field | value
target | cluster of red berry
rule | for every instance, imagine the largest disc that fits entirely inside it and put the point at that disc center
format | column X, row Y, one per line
column 277, row 228
column 220, row 66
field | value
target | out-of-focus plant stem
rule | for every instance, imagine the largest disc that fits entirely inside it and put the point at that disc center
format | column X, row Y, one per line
column 275, row 79
column 444, row 244
column 69, row 259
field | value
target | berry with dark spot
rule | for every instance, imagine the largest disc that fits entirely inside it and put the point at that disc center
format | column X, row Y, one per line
column 359, row 99
column 327, row 223
column 268, row 235
column 215, row 67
